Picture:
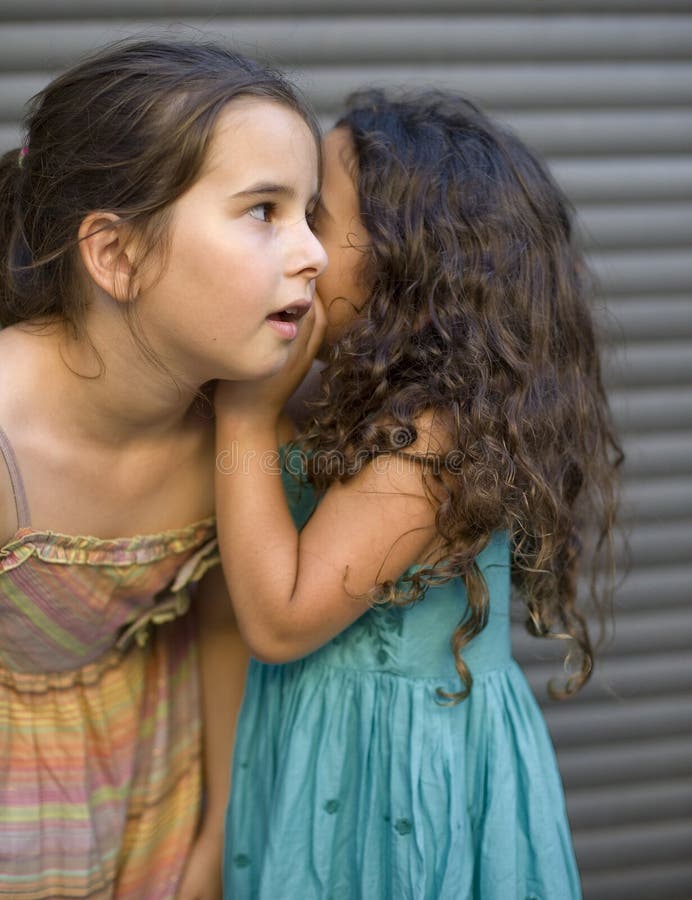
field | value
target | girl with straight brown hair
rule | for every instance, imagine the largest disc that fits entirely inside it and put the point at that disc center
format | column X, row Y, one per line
column 155, row 237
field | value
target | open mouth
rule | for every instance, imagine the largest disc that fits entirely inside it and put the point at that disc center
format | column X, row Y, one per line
column 286, row 320
column 292, row 313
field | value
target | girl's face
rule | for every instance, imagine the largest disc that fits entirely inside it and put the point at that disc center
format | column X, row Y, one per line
column 242, row 258
column 343, row 235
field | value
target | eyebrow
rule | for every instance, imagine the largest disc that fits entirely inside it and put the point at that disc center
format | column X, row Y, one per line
column 269, row 187
column 266, row 187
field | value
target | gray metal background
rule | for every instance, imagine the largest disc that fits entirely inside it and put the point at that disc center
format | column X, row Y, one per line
column 603, row 88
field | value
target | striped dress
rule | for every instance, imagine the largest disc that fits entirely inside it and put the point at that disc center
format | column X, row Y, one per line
column 100, row 762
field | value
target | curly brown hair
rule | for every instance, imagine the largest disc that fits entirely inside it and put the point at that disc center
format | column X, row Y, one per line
column 479, row 314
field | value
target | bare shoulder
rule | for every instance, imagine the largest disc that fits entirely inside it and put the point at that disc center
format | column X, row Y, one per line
column 430, row 452
column 433, row 434
column 8, row 512
column 10, row 351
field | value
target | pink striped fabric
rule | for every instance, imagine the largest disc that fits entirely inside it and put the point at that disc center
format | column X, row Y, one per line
column 99, row 737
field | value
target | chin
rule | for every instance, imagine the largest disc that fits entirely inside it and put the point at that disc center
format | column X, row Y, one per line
column 274, row 367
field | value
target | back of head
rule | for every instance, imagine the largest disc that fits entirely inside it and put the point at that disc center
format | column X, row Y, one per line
column 479, row 312
column 466, row 216
column 126, row 132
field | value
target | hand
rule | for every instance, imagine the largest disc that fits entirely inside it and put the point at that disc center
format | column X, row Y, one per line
column 202, row 876
column 267, row 396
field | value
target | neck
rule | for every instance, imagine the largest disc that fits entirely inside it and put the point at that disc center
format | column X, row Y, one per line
column 103, row 387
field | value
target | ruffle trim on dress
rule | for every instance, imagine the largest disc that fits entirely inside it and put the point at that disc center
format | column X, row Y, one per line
column 65, row 549
column 85, row 676
column 174, row 602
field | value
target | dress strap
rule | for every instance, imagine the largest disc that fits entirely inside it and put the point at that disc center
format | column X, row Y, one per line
column 16, row 481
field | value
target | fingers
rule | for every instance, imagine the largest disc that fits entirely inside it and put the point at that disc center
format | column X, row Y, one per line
column 269, row 395
column 318, row 326
column 308, row 341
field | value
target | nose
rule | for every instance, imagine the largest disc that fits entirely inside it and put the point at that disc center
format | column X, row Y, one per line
column 309, row 255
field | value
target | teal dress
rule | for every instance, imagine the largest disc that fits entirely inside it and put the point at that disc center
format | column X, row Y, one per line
column 352, row 782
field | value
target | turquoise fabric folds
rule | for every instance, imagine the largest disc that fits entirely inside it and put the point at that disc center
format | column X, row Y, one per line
column 352, row 782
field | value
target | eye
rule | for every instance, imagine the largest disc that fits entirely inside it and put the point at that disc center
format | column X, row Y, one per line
column 263, row 211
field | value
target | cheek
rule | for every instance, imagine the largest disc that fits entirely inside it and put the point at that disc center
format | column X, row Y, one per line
column 340, row 311
column 342, row 277
column 341, row 287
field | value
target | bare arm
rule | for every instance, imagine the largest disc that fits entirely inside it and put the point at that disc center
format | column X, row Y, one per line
column 292, row 592
column 223, row 662
column 296, row 409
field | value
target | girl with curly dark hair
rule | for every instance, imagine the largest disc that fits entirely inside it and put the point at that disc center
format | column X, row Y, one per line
column 462, row 441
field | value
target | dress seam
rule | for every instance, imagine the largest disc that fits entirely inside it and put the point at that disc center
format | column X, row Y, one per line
column 406, row 676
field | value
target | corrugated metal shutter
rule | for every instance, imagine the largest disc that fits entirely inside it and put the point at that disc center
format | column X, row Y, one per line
column 603, row 88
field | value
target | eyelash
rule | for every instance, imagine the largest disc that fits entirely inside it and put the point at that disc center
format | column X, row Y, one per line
column 269, row 209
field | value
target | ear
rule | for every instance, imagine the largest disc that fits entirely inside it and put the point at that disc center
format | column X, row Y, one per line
column 106, row 248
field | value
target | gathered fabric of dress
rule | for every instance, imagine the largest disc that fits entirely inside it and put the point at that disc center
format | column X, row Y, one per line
column 352, row 782
column 100, row 737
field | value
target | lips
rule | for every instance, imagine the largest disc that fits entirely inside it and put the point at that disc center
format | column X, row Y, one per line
column 286, row 320
column 291, row 313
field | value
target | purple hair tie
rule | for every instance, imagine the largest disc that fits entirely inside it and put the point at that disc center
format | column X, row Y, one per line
column 22, row 153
